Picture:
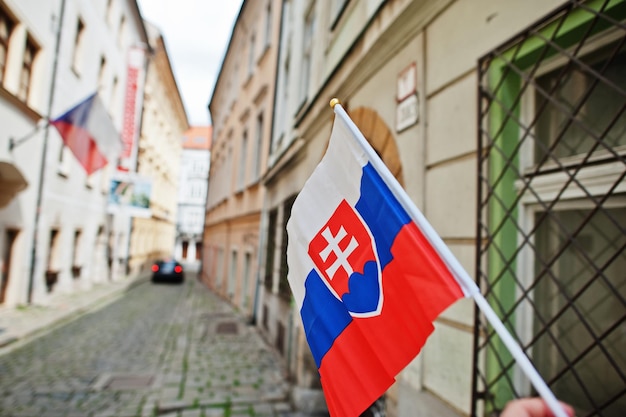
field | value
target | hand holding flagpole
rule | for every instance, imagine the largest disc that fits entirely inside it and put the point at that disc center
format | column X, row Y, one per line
column 468, row 285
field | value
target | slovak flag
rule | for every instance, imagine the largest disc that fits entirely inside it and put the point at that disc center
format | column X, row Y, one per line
column 88, row 131
column 368, row 280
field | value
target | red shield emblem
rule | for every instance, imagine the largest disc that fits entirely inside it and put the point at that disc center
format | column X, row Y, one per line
column 341, row 249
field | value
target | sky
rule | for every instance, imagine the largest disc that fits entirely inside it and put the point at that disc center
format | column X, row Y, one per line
column 196, row 34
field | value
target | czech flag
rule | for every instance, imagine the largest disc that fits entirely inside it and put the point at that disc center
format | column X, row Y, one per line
column 364, row 271
column 87, row 130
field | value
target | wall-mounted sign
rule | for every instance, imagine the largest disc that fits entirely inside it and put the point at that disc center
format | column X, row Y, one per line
column 407, row 112
column 130, row 193
column 132, row 108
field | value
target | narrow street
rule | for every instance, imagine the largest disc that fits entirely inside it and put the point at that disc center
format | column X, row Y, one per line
column 160, row 350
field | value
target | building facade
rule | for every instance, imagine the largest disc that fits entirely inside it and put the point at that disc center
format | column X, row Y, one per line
column 440, row 88
column 192, row 193
column 241, row 112
column 55, row 235
column 164, row 120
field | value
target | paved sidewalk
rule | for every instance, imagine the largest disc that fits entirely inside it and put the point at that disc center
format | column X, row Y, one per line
column 23, row 323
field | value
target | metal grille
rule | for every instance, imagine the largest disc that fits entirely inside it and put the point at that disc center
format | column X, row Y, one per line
column 552, row 209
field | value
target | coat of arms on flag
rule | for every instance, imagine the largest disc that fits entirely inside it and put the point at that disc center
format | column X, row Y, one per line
column 344, row 254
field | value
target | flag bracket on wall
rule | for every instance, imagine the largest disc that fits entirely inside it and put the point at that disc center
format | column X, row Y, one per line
column 14, row 143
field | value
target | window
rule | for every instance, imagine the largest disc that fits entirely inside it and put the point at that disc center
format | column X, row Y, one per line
column 586, row 301
column 232, row 275
column 105, row 180
column 75, row 254
column 198, row 251
column 283, row 105
column 552, row 208
column 251, row 56
column 109, row 11
column 581, row 109
column 79, row 46
column 114, row 94
column 337, row 8
column 268, row 25
column 101, row 74
column 243, row 160
column 258, row 147
column 92, row 180
column 219, row 272
column 30, row 51
column 65, row 154
column 247, row 263
column 52, row 271
column 21, row 65
column 227, row 172
column 6, row 28
column 307, row 54
column 185, row 247
column 121, row 31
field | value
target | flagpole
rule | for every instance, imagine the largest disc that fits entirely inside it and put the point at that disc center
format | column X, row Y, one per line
column 467, row 283
column 42, row 169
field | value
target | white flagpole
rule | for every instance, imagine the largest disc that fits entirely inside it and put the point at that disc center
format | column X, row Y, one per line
column 467, row 284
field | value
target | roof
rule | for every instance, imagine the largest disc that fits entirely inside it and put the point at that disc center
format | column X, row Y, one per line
column 198, row 137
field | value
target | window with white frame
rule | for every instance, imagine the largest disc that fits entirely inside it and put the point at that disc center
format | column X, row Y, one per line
column 251, row 56
column 232, row 274
column 65, row 154
column 247, row 278
column 579, row 254
column 101, row 75
column 219, row 270
column 267, row 37
column 552, row 215
column 243, row 161
column 283, row 106
column 109, row 12
column 114, row 94
column 307, row 53
column 6, row 29
column 121, row 31
column 30, row 51
column 336, row 10
column 79, row 47
column 258, row 147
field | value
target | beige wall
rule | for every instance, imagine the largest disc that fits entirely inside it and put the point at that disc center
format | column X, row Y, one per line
column 360, row 66
column 163, row 124
column 234, row 203
column 438, row 154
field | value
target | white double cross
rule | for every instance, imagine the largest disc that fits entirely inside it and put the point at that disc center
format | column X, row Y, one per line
column 342, row 255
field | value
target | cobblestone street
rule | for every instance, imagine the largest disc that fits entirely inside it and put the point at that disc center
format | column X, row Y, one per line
column 160, row 350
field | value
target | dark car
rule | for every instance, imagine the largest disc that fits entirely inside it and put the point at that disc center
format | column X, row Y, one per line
column 168, row 271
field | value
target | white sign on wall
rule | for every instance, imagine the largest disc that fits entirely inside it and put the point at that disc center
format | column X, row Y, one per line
column 407, row 110
column 407, row 113
column 407, row 82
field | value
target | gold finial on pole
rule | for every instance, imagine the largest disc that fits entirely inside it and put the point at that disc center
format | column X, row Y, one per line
column 333, row 102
